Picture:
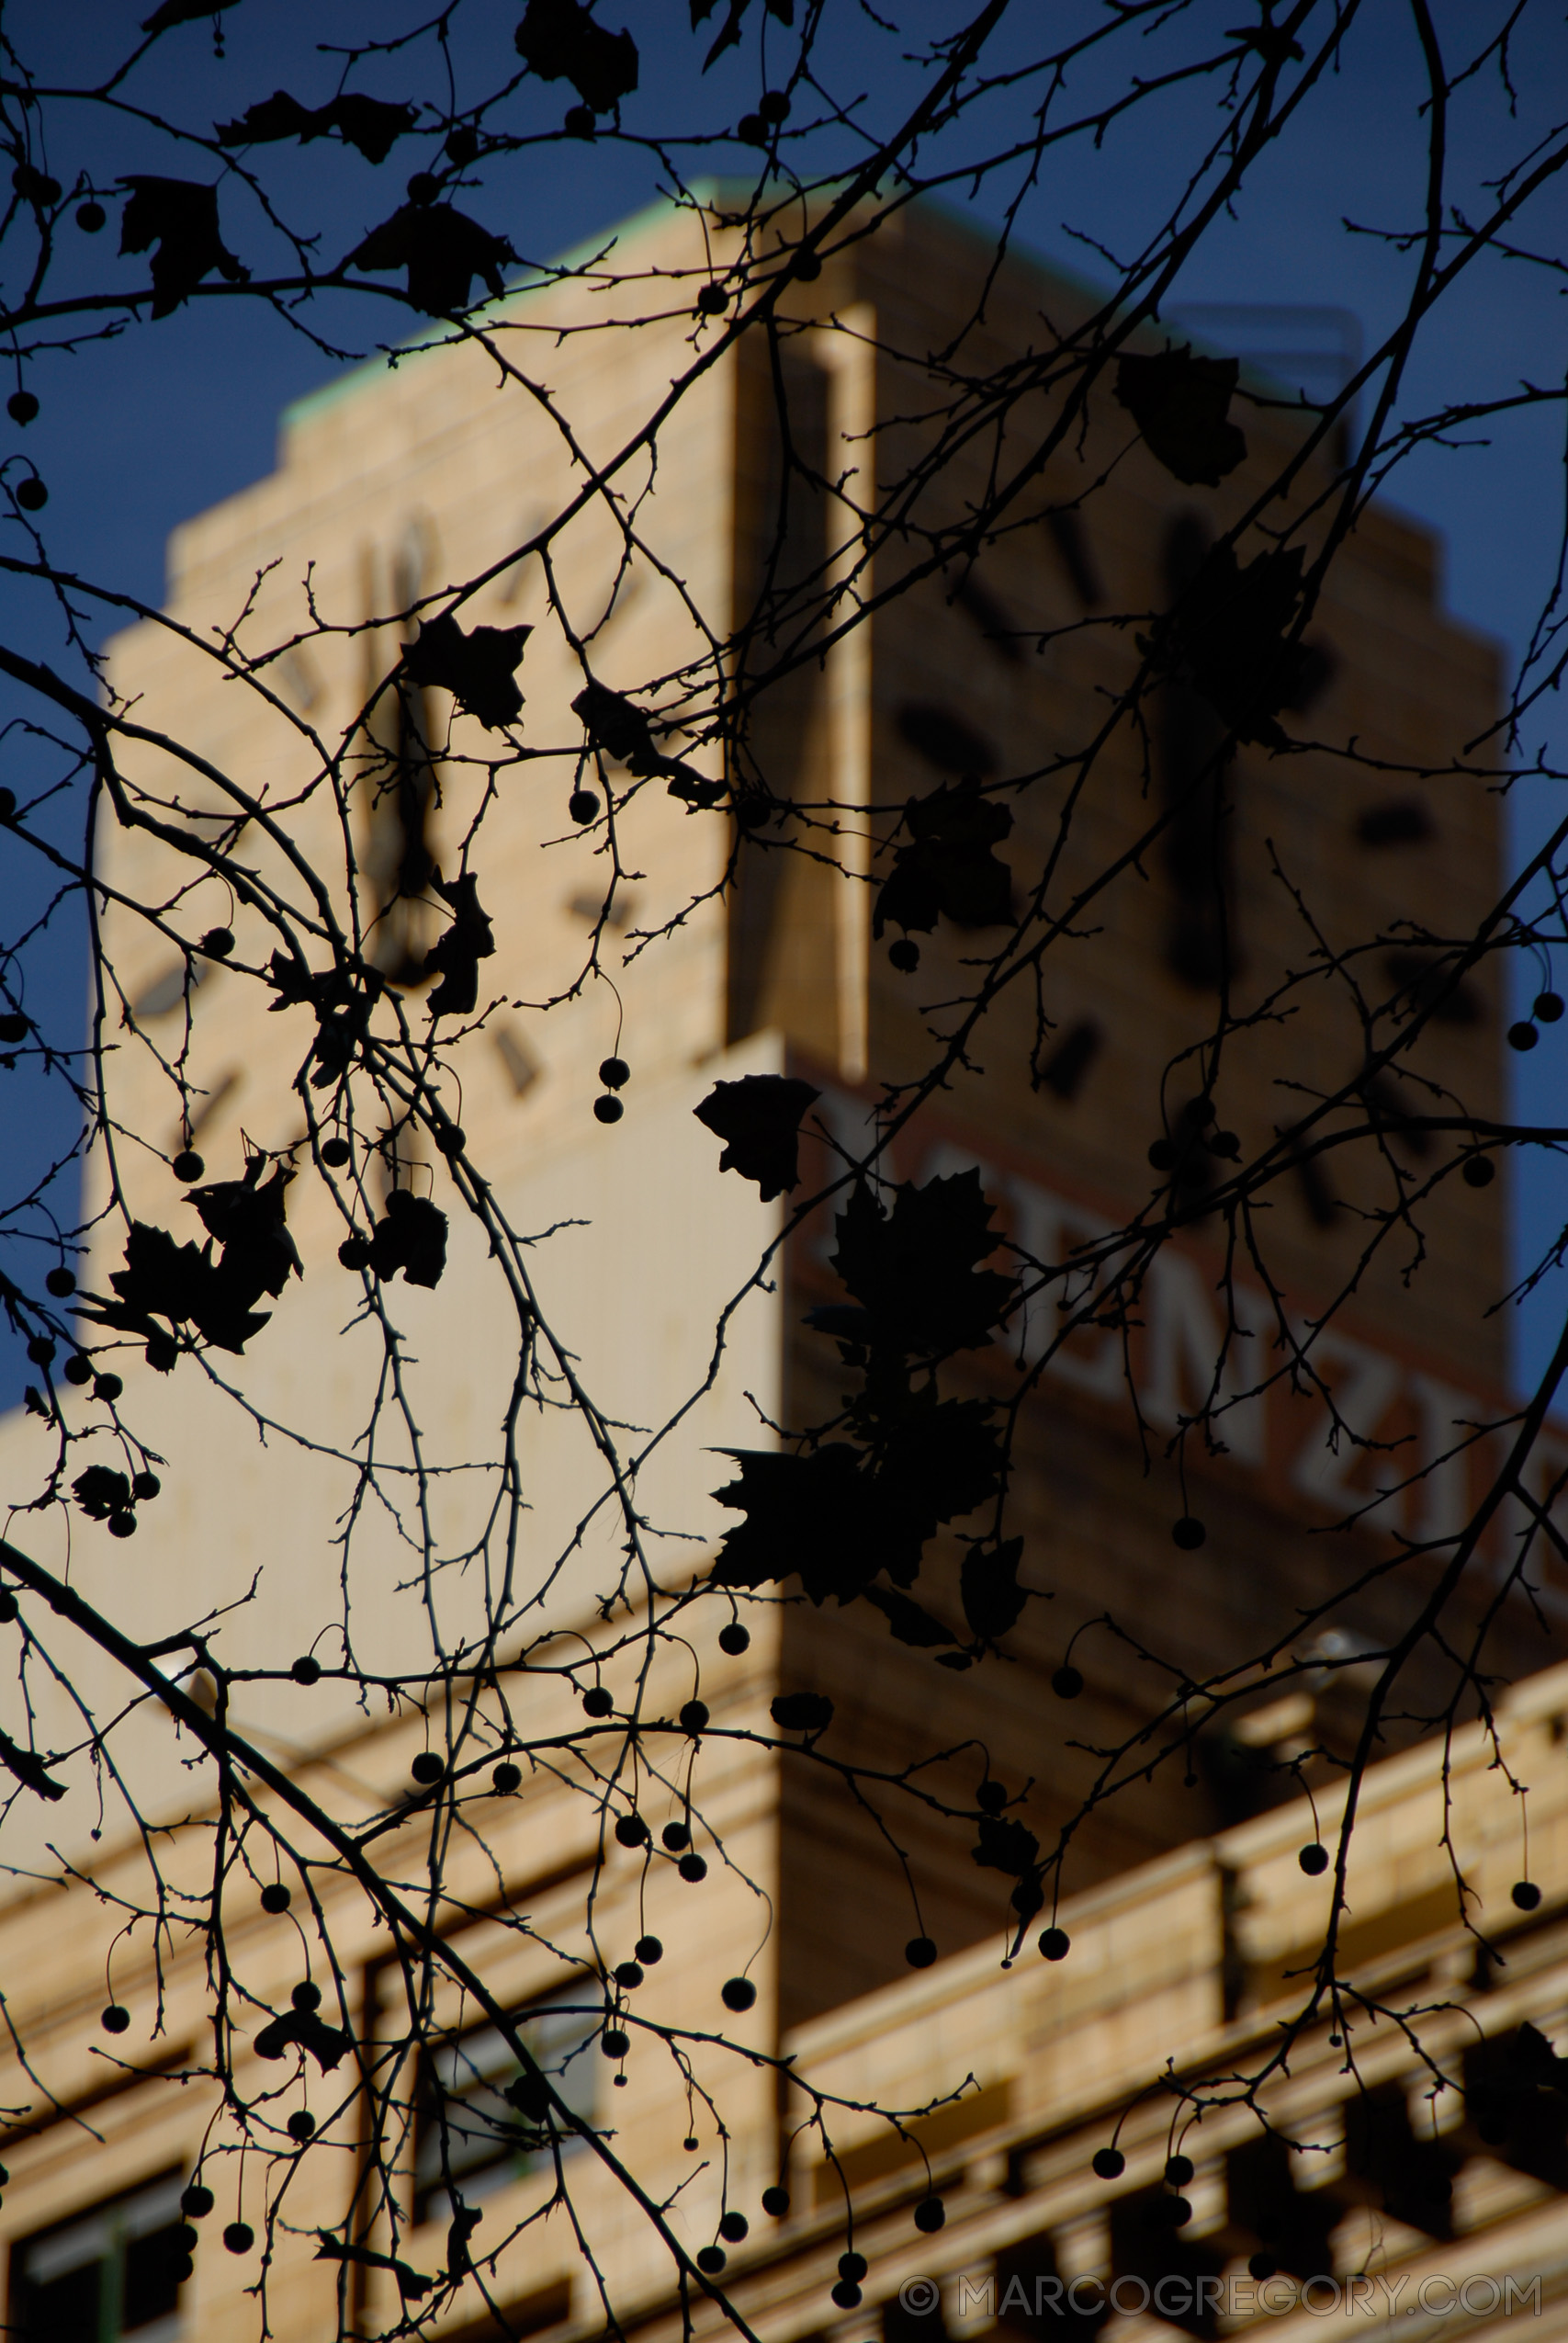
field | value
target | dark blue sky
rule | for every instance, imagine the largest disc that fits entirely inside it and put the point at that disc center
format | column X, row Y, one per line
column 138, row 433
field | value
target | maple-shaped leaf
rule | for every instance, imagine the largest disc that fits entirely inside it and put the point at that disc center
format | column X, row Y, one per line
column 180, row 216
column 247, row 1218
column 1181, row 405
column 948, row 866
column 813, row 1513
column 29, row 1770
column 619, row 727
column 558, row 40
column 443, row 251
column 908, row 1623
column 182, row 12
column 988, row 1586
column 914, row 1268
column 782, row 11
column 101, row 1491
column 478, row 669
column 1006, row 1845
column 161, row 1278
column 368, row 123
column 456, row 955
column 310, row 2030
column 937, row 1459
column 1226, row 637
column 411, row 2283
column 759, row 1119
column 801, row 1712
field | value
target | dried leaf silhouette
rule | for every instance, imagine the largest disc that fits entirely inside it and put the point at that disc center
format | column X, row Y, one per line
column 801, row 1712
column 100, row 1491
column 456, row 955
column 310, row 2030
column 759, row 1117
column 368, row 123
column 1006, row 1845
column 908, row 1623
column 815, row 1513
column 247, row 1220
column 948, row 866
column 1180, row 404
column 558, row 40
column 443, row 251
column 915, row 1270
column 29, row 1770
column 181, row 1283
column 182, row 12
column 411, row 1238
column 989, row 1586
column 618, row 727
column 1225, row 637
column 342, row 1003
column 478, row 669
column 782, row 11
column 411, row 2283
column 180, row 216
column 938, row 1458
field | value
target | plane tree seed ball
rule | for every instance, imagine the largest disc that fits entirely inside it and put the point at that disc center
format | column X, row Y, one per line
column 1546, row 1008
column 115, row 2020
column 1187, row 1534
column 32, row 496
column 123, row 1523
column 301, row 2124
column 845, row 2293
column 1525, row 1894
column 712, row 301
column 238, row 2237
column 1054, row 1943
column 693, row 1868
column 614, row 2043
column 904, row 955
column 773, row 106
column 608, row 1109
column 584, row 807
column 187, row 1166
column 775, row 2202
column 505, row 1778
column 990, row 1797
column 8, row 1610
column 734, row 1639
column 614, row 1073
column 1522, row 1036
column 853, row 2266
column 648, row 1950
column 598, row 1702
column 427, row 1767
column 1179, row 2170
column 306, row 1670
column 90, row 218
column 1478, row 1171
column 627, row 1976
column 711, row 2259
column 21, row 406
column 733, row 2227
column 919, row 1951
column 59, row 1282
column 929, row 2215
column 1108, row 2164
column 1314, row 1860
column 631, row 1830
column 218, row 943
column 1066, row 1683
column 106, row 1387
column 275, row 1896
column 196, row 2201
column 146, row 1487
column 737, row 1993
column 335, row 1153
column 79, row 1369
column 694, row 1716
column 306, row 1995
column 675, row 1836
